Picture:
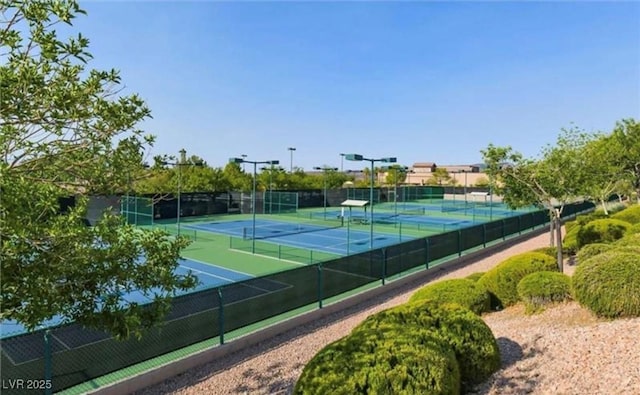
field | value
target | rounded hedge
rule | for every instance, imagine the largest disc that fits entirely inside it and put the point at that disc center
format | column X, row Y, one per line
column 629, row 240
column 584, row 219
column 466, row 293
column 503, row 279
column 539, row 289
column 475, row 276
column 568, row 225
column 389, row 360
column 551, row 251
column 634, row 229
column 634, row 249
column 591, row 250
column 630, row 214
column 570, row 241
column 602, row 231
column 472, row 341
column 609, row 284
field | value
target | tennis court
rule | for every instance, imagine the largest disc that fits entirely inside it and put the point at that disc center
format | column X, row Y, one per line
column 327, row 236
column 385, row 216
column 456, row 207
column 209, row 276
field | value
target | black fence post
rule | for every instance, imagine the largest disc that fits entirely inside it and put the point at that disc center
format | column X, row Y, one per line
column 221, row 315
column 384, row 265
column 484, row 235
column 533, row 222
column 519, row 224
column 320, row 285
column 48, row 363
column 459, row 243
column 504, row 232
column 426, row 252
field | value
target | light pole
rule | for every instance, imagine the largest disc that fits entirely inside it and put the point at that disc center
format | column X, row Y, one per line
column 324, row 171
column 359, row 158
column 291, row 149
column 342, row 163
column 253, row 194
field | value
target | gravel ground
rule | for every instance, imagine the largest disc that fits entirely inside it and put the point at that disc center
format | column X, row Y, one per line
column 565, row 350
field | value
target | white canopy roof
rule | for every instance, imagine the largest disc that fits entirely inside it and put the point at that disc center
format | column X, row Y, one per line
column 355, row 203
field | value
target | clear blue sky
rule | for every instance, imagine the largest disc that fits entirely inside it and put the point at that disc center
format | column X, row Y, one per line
column 422, row 81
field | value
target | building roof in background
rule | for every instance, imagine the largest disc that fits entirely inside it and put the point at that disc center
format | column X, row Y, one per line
column 424, row 164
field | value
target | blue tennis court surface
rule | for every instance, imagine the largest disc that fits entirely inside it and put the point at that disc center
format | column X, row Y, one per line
column 209, row 276
column 400, row 217
column 331, row 238
column 467, row 208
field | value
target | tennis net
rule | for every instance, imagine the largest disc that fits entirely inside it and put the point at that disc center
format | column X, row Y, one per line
column 449, row 206
column 385, row 214
column 289, row 228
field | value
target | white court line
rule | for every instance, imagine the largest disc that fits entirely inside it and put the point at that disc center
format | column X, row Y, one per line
column 224, row 278
column 61, row 342
column 267, row 256
column 214, row 265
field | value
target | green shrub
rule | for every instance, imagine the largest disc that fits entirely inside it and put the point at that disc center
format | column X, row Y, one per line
column 475, row 276
column 464, row 292
column 602, row 231
column 594, row 249
column 551, row 251
column 390, row 360
column 630, row 214
column 634, row 249
column 634, row 229
column 629, row 240
column 584, row 219
column 472, row 341
column 570, row 242
column 502, row 280
column 609, row 284
column 539, row 289
column 568, row 225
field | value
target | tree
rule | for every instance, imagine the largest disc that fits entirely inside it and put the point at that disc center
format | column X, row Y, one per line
column 604, row 175
column 396, row 175
column 625, row 141
column 299, row 180
column 482, row 182
column 550, row 182
column 65, row 132
column 440, row 176
column 237, row 179
column 335, row 179
column 270, row 177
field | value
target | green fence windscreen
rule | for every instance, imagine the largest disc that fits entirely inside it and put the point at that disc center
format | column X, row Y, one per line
column 137, row 210
column 279, row 202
